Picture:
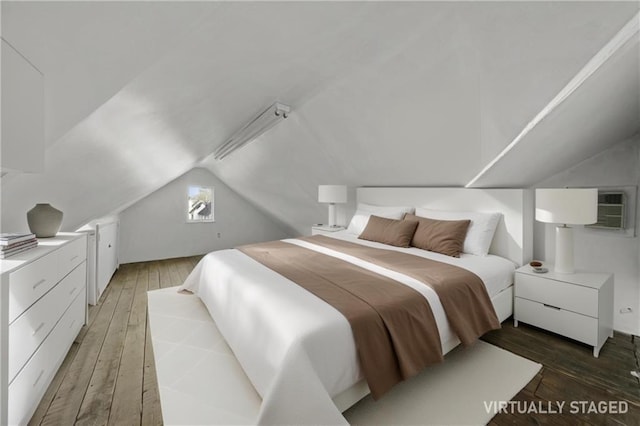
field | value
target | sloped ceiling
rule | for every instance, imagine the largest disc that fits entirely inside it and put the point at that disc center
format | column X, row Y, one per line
column 602, row 112
column 88, row 51
column 382, row 93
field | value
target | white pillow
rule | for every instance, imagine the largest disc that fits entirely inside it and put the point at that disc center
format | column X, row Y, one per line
column 480, row 231
column 364, row 211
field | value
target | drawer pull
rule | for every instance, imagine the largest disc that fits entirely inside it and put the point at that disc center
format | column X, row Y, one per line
column 39, row 283
column 73, row 289
column 552, row 307
column 37, row 329
column 38, row 379
column 73, row 258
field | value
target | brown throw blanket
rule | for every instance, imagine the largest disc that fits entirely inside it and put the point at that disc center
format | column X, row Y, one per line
column 393, row 327
column 462, row 293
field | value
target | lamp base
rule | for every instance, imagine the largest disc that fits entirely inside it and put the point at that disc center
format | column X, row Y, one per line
column 564, row 250
column 332, row 215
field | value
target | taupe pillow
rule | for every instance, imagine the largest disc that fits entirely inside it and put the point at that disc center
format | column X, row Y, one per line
column 440, row 236
column 389, row 231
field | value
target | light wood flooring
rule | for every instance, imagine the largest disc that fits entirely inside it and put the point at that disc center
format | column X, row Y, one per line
column 108, row 377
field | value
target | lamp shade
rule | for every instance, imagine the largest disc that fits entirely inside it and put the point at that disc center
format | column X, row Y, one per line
column 332, row 194
column 572, row 206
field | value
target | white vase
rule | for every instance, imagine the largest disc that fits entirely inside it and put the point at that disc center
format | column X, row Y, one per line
column 44, row 220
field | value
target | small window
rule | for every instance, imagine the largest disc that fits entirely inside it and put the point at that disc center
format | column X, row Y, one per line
column 200, row 204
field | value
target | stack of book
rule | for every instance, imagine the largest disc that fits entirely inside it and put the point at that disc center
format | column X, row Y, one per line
column 11, row 244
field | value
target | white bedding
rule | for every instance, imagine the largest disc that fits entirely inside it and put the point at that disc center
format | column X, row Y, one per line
column 297, row 350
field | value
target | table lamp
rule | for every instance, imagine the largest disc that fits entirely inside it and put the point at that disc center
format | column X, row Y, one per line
column 566, row 206
column 332, row 194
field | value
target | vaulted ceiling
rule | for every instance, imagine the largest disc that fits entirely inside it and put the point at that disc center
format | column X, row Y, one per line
column 383, row 93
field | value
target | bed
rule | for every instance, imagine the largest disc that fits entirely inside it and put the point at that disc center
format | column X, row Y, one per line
column 297, row 350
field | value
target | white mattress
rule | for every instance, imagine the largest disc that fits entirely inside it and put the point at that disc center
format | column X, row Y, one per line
column 297, row 350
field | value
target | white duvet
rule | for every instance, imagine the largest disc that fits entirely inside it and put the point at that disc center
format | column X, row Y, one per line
column 297, row 350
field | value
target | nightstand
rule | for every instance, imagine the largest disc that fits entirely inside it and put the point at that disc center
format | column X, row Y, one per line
column 578, row 305
column 325, row 229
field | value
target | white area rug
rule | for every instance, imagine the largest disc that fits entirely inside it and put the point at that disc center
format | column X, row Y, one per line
column 201, row 382
column 451, row 393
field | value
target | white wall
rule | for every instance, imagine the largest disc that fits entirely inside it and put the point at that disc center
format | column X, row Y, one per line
column 597, row 249
column 156, row 227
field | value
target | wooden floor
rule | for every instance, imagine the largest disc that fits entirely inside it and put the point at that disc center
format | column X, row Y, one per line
column 571, row 373
column 108, row 377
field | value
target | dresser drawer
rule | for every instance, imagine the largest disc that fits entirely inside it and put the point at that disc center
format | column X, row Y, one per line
column 31, row 383
column 71, row 255
column 572, row 297
column 29, row 283
column 578, row 327
column 29, row 330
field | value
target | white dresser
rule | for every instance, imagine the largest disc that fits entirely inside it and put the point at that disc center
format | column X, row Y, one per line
column 42, row 309
column 579, row 305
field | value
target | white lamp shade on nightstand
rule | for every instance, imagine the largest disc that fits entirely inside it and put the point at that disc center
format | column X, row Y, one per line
column 332, row 194
column 573, row 206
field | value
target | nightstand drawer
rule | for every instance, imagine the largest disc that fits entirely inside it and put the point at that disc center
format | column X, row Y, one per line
column 572, row 297
column 578, row 327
